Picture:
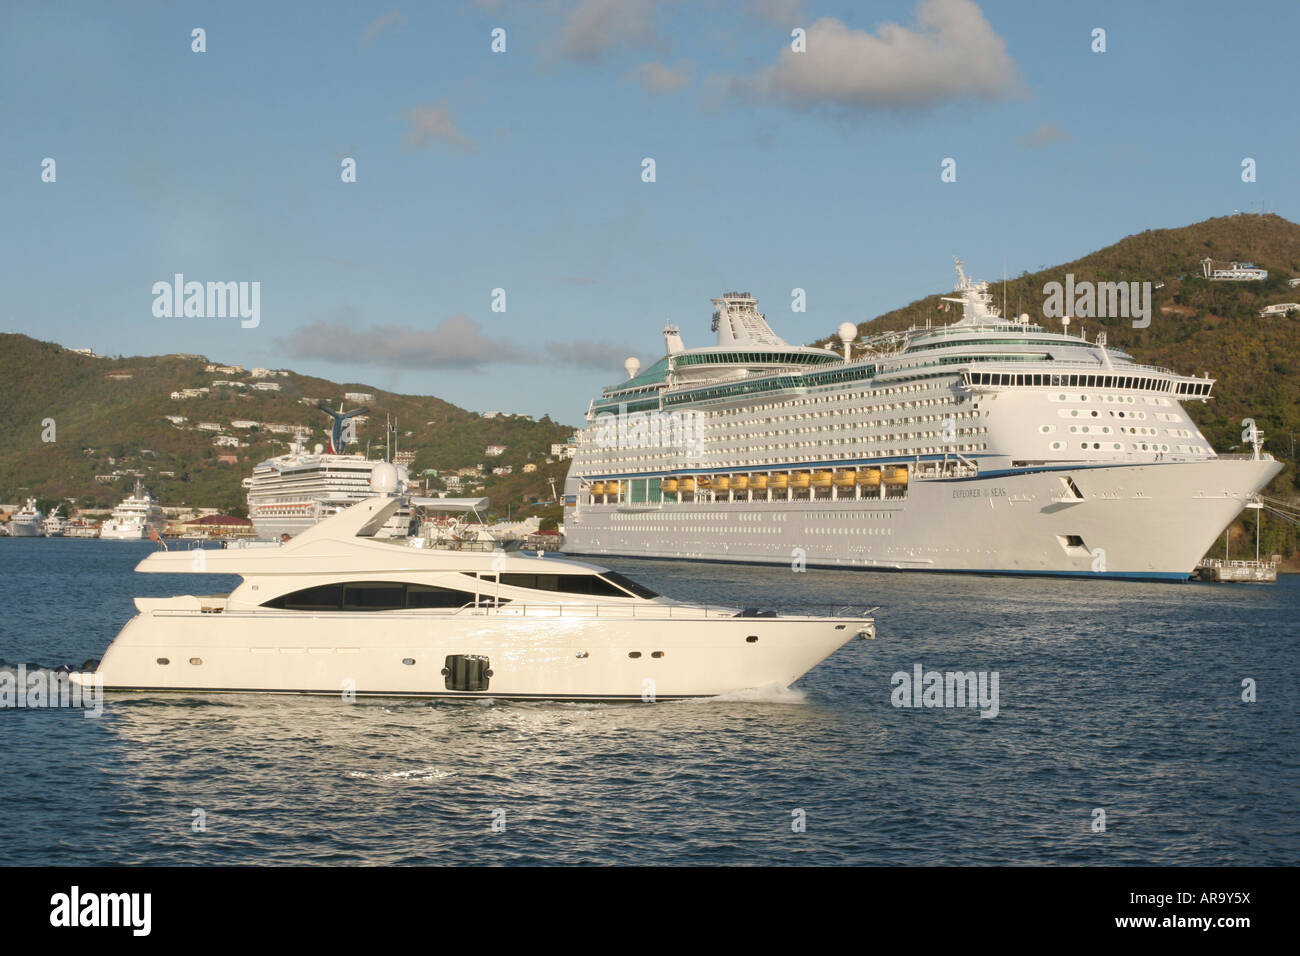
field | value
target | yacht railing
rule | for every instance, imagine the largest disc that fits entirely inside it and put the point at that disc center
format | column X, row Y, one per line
column 637, row 611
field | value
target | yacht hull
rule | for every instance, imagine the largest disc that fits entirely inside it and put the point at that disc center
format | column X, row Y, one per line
column 533, row 654
column 1148, row 521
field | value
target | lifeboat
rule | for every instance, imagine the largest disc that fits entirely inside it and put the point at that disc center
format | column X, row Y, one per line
column 896, row 476
column 870, row 477
column 611, row 487
column 822, row 479
column 800, row 479
column 702, row 483
column 740, row 482
column 669, row 485
column 597, row 487
column 758, row 482
column 687, row 484
column 845, row 478
column 722, row 483
column 779, row 482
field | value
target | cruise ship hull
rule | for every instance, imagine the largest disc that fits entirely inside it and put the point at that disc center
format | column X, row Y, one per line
column 564, row 656
column 1147, row 521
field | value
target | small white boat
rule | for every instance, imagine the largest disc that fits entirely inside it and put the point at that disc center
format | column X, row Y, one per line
column 55, row 526
column 339, row 611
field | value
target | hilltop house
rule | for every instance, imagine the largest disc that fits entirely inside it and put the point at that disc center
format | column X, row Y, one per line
column 494, row 451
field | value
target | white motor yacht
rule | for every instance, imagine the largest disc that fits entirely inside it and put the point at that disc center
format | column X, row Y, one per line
column 337, row 610
column 134, row 518
column 27, row 522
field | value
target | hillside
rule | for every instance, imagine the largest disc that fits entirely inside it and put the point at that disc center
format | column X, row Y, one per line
column 1197, row 326
column 106, row 422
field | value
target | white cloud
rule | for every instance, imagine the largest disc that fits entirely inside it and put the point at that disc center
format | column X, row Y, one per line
column 661, row 78
column 951, row 53
column 584, row 354
column 594, row 26
column 373, row 31
column 433, row 121
column 455, row 342
column 1047, row 134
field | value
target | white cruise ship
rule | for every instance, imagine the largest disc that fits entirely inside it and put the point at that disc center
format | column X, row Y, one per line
column 291, row 493
column 987, row 445
column 132, row 520
column 27, row 521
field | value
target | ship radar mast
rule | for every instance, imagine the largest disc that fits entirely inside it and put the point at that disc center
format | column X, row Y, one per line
column 974, row 298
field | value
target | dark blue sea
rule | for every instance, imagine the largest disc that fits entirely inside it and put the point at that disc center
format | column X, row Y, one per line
column 1113, row 696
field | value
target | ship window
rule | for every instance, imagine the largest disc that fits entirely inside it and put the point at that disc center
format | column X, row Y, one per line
column 324, row 598
column 628, row 584
column 372, row 596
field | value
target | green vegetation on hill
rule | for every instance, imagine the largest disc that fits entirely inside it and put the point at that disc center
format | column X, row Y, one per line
column 104, row 425
column 1197, row 326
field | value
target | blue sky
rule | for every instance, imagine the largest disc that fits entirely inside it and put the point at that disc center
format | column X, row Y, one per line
column 522, row 170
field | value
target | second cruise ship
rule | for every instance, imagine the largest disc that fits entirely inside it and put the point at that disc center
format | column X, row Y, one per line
column 987, row 445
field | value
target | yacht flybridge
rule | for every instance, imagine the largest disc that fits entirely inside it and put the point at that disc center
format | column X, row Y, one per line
column 338, row 611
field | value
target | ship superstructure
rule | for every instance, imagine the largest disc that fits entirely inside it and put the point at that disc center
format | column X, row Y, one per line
column 290, row 493
column 988, row 444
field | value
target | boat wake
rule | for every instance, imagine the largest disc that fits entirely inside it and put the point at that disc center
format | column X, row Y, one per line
column 424, row 773
column 767, row 694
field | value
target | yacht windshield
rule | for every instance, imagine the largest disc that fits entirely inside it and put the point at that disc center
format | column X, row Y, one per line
column 627, row 584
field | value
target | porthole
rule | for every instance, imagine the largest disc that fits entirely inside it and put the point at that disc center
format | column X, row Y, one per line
column 196, row 660
column 752, row 639
column 657, row 654
column 408, row 661
column 163, row 660
column 634, row 654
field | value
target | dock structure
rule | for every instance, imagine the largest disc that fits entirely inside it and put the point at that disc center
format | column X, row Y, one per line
column 1217, row 569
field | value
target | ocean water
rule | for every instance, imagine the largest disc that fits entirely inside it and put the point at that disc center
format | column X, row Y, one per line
column 1114, row 696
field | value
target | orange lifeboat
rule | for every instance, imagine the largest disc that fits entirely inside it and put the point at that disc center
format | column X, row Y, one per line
column 869, row 477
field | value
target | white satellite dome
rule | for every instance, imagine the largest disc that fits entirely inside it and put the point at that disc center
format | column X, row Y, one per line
column 383, row 478
column 847, row 332
column 632, row 366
